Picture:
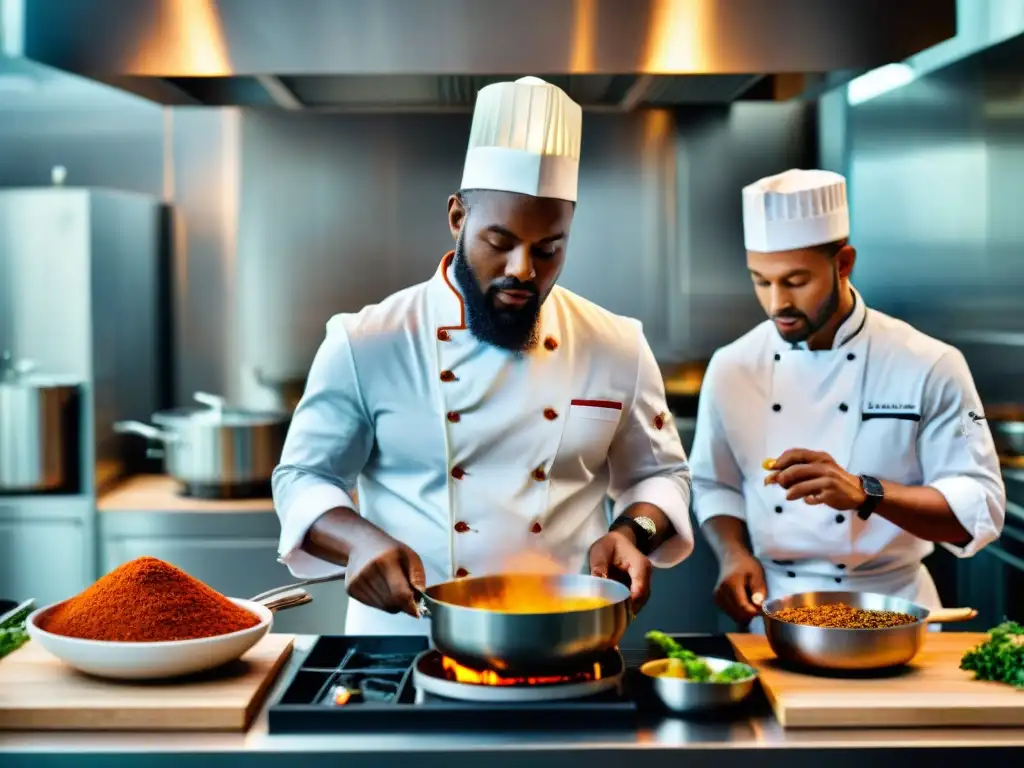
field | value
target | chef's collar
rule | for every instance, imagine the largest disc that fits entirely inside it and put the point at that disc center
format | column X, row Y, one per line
column 848, row 330
column 447, row 309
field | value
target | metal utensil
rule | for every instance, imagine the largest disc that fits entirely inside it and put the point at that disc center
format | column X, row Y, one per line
column 852, row 649
column 525, row 642
column 283, row 600
column 682, row 695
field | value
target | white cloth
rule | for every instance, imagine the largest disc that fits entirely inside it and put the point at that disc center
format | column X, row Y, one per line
column 795, row 209
column 503, row 477
column 525, row 138
column 886, row 401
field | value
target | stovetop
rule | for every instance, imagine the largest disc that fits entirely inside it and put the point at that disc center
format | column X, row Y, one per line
column 381, row 669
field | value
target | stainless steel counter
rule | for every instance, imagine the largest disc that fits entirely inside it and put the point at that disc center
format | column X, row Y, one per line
column 756, row 741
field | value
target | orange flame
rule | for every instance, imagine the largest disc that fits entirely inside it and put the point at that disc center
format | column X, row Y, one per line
column 463, row 674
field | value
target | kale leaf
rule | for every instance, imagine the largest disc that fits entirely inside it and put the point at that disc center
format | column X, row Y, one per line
column 696, row 668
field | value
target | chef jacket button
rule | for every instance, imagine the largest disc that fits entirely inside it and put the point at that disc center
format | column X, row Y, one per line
column 659, row 421
column 461, row 527
column 851, row 356
column 776, row 407
column 791, row 574
column 841, row 566
column 539, row 474
column 461, row 573
column 447, row 376
column 453, row 417
column 458, row 473
column 550, row 344
column 535, row 528
column 838, row 580
column 443, row 335
column 844, row 407
column 550, row 414
column 840, row 518
column 778, row 510
column 777, row 357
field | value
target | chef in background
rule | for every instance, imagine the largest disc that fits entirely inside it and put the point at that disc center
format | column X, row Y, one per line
column 486, row 410
column 839, row 441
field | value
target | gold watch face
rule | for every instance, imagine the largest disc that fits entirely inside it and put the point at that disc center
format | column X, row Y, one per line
column 647, row 524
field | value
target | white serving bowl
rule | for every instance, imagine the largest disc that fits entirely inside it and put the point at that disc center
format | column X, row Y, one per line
column 151, row 661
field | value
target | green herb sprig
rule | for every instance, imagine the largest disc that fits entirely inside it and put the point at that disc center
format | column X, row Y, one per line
column 696, row 668
column 999, row 659
column 12, row 631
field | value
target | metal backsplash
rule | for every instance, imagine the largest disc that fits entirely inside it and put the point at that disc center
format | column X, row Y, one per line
column 936, row 171
column 291, row 218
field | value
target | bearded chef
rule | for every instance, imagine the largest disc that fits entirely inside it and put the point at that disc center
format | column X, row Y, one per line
column 840, row 441
column 486, row 409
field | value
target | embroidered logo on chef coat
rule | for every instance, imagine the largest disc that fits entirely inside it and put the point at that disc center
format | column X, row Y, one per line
column 970, row 420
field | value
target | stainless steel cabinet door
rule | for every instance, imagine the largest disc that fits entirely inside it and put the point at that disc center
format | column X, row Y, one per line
column 44, row 559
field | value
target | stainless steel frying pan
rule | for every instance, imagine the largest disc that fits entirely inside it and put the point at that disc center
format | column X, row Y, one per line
column 852, row 649
column 528, row 643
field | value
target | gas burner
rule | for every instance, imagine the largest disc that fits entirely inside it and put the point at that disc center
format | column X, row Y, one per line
column 437, row 675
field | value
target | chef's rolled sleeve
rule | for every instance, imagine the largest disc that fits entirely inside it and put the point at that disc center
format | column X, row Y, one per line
column 958, row 456
column 717, row 480
column 328, row 444
column 647, row 461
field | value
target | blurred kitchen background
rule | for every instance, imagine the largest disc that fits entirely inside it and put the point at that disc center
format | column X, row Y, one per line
column 188, row 194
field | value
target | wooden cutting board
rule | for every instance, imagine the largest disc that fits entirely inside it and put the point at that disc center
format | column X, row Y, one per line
column 40, row 693
column 932, row 691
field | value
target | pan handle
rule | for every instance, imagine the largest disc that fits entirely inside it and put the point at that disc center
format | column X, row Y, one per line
column 145, row 430
column 950, row 615
column 421, row 604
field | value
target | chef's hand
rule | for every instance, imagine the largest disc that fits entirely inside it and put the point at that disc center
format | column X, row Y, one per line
column 740, row 589
column 381, row 574
column 616, row 552
column 816, row 478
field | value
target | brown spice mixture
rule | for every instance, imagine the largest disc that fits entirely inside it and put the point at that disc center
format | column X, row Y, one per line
column 842, row 616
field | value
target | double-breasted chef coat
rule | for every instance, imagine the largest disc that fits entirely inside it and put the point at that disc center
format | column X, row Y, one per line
column 464, row 451
column 886, row 401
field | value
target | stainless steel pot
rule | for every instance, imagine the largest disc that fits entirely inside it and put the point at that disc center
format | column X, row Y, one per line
column 852, row 649
column 39, row 429
column 217, row 451
column 529, row 643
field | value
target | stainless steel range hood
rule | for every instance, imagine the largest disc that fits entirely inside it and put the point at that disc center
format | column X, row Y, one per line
column 436, row 54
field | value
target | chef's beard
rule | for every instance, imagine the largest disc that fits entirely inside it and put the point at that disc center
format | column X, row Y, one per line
column 812, row 325
column 514, row 329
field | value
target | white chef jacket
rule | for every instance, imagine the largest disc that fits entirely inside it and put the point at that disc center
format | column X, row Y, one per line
column 463, row 451
column 886, row 401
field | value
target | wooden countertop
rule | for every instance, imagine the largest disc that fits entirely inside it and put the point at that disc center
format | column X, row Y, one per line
column 159, row 493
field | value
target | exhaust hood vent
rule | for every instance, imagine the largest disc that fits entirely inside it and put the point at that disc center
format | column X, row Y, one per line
column 436, row 54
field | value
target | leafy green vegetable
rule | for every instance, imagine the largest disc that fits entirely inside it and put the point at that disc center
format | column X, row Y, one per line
column 999, row 659
column 12, row 631
column 696, row 668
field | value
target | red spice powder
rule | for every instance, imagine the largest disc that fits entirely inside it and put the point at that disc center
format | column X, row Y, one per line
column 147, row 600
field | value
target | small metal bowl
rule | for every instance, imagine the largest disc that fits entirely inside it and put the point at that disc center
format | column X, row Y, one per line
column 682, row 695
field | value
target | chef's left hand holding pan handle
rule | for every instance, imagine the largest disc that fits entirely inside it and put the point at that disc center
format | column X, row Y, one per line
column 614, row 552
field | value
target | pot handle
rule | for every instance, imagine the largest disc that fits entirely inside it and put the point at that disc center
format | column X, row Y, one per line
column 145, row 430
column 216, row 402
column 950, row 615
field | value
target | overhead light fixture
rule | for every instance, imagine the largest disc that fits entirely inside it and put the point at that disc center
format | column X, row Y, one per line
column 878, row 81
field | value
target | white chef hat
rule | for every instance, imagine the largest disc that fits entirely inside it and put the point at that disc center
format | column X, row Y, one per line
column 795, row 209
column 525, row 138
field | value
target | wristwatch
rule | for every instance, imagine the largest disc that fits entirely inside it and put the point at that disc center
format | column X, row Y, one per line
column 874, row 492
column 644, row 530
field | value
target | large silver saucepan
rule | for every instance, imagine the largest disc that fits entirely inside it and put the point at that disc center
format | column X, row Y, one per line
column 467, row 627
column 852, row 649
column 217, row 451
